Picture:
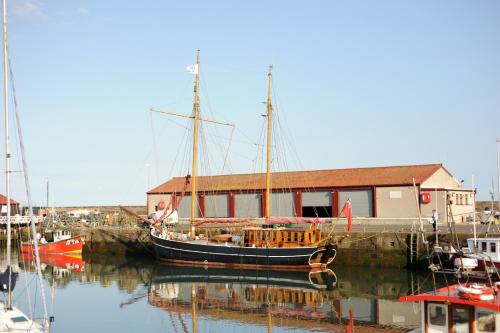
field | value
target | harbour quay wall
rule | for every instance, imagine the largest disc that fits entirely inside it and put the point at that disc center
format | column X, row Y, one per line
column 381, row 243
column 373, row 242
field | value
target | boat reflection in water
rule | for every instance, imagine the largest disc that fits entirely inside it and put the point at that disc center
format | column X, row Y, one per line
column 255, row 297
column 61, row 265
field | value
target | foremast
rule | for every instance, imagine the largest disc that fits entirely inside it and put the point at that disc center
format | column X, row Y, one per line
column 196, row 119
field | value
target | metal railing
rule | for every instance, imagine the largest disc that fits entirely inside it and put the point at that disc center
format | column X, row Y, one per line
column 17, row 220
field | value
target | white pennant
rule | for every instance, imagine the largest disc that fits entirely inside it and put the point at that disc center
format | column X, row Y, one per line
column 192, row 69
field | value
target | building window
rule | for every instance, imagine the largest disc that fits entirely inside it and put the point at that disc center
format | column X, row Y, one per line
column 493, row 247
column 484, row 246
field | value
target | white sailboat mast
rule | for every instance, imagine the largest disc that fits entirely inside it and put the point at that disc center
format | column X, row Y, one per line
column 269, row 127
column 196, row 111
column 7, row 145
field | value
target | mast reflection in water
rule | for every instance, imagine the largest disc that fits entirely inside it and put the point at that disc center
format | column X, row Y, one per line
column 130, row 295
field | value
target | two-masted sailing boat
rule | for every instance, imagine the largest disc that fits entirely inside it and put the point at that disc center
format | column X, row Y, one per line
column 13, row 319
column 268, row 245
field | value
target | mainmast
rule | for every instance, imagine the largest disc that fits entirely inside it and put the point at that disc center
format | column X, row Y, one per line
column 8, row 303
column 196, row 111
column 269, row 127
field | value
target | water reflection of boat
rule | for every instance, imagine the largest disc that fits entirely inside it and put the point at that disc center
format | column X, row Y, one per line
column 217, row 291
column 62, row 264
column 315, row 279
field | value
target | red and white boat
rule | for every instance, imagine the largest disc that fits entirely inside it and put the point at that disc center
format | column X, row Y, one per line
column 460, row 308
column 485, row 250
column 62, row 242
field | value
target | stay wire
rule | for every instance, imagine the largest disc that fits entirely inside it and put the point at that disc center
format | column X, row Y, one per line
column 27, row 188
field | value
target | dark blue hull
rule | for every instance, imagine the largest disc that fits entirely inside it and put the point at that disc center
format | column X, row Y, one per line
column 197, row 253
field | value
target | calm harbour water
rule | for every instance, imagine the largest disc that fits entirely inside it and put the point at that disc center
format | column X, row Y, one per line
column 108, row 293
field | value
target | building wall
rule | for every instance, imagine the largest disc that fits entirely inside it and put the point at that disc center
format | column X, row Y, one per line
column 438, row 203
column 396, row 201
column 154, row 199
column 461, row 204
column 441, row 179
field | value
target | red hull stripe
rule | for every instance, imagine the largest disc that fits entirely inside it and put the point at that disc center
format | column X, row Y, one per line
column 71, row 245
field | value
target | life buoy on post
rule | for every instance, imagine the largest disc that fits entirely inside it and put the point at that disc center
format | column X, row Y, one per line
column 425, row 197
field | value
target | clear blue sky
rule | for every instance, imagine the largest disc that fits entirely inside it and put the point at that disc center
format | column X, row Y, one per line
column 358, row 83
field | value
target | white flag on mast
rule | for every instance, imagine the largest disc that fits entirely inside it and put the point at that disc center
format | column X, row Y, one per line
column 192, row 69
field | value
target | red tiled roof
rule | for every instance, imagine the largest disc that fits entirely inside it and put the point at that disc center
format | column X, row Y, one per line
column 377, row 176
column 3, row 200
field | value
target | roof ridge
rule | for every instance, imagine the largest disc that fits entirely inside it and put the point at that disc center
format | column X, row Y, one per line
column 320, row 170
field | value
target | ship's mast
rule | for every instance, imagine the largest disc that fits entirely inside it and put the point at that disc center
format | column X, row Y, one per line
column 269, row 127
column 196, row 119
column 8, row 303
column 196, row 111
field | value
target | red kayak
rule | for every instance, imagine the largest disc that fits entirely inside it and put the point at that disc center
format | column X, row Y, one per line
column 63, row 243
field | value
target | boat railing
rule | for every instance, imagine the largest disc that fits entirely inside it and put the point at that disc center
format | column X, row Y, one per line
column 17, row 219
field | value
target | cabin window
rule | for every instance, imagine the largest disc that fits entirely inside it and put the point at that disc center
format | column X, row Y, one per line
column 485, row 321
column 493, row 247
column 484, row 246
column 437, row 314
column 19, row 319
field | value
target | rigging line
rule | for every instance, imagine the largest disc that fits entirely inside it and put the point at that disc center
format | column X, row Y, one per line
column 259, row 149
column 177, row 154
column 205, row 151
column 280, row 156
column 228, row 149
column 25, row 266
column 250, row 140
column 155, row 148
column 147, row 155
column 287, row 132
column 224, row 151
column 27, row 185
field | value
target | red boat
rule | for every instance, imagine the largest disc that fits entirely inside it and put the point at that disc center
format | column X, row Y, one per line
column 69, row 262
column 459, row 308
column 62, row 242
